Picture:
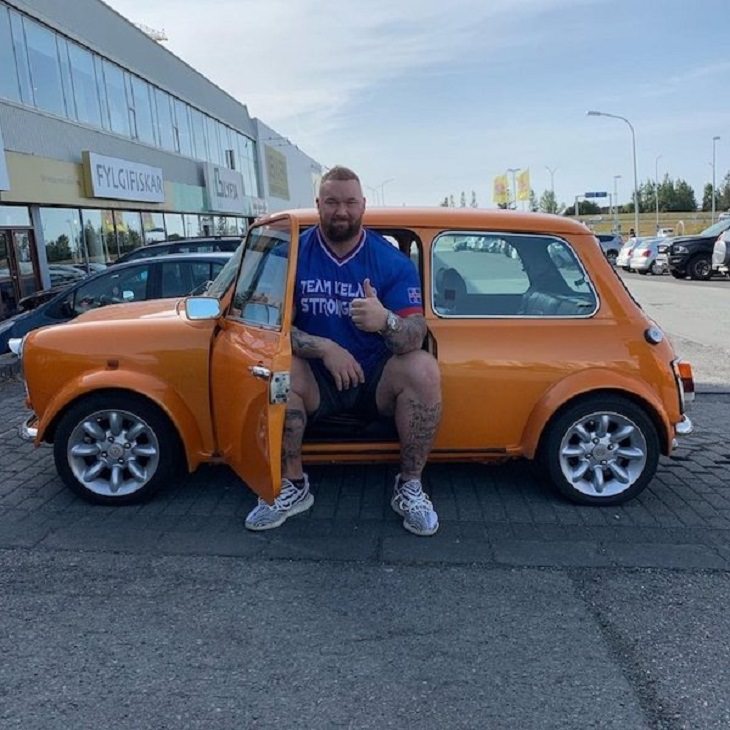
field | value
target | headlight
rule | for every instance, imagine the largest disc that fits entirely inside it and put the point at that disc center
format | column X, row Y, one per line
column 680, row 249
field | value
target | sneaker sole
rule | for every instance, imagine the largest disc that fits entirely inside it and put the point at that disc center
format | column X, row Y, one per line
column 411, row 529
column 295, row 510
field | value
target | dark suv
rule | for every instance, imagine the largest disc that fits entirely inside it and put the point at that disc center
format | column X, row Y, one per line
column 182, row 245
column 692, row 255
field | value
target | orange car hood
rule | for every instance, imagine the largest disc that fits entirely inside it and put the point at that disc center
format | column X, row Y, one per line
column 155, row 308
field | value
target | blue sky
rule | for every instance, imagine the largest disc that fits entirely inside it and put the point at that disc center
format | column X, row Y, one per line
column 438, row 98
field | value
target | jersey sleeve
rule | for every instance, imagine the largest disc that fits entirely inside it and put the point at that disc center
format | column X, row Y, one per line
column 403, row 295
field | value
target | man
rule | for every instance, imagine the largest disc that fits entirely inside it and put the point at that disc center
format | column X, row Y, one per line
column 356, row 341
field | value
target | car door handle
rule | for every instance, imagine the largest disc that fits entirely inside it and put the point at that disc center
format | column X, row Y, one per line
column 259, row 371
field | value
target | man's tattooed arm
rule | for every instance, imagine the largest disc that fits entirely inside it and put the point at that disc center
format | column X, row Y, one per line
column 307, row 346
column 409, row 335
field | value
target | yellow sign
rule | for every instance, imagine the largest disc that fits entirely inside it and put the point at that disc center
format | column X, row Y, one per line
column 523, row 185
column 501, row 190
column 277, row 173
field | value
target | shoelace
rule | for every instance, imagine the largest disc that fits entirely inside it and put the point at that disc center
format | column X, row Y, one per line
column 412, row 498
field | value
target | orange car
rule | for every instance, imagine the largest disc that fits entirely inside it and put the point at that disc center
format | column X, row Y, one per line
column 543, row 354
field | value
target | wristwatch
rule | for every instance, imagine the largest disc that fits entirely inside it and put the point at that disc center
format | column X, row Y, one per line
column 392, row 323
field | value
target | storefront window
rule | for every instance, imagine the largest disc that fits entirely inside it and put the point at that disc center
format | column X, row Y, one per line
column 174, row 226
column 16, row 216
column 86, row 95
column 129, row 230
column 9, row 88
column 154, row 227
column 21, row 58
column 62, row 234
column 45, row 71
column 116, row 98
column 142, row 106
column 214, row 145
column 207, row 225
column 199, row 139
column 164, row 120
column 182, row 129
column 95, row 237
column 192, row 225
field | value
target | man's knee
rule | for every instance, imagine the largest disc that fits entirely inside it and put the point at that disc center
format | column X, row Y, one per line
column 418, row 368
column 304, row 384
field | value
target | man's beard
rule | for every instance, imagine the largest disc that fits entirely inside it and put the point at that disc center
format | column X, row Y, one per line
column 337, row 233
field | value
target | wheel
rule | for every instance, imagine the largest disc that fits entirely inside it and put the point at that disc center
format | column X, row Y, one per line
column 115, row 448
column 657, row 269
column 602, row 450
column 700, row 267
column 612, row 256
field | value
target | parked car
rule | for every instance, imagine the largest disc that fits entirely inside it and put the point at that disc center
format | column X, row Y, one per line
column 644, row 255
column 665, row 232
column 721, row 254
column 623, row 260
column 539, row 359
column 692, row 255
column 611, row 244
column 169, row 276
column 182, row 245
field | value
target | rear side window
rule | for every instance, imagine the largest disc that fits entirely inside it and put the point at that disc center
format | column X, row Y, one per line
column 179, row 278
column 508, row 275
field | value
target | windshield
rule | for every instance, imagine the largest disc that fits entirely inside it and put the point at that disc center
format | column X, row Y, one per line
column 717, row 228
column 227, row 274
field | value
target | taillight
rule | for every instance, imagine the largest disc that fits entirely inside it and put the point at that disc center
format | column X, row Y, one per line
column 685, row 381
column 646, row 254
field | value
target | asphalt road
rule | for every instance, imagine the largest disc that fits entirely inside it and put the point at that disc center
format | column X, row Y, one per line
column 523, row 612
column 696, row 317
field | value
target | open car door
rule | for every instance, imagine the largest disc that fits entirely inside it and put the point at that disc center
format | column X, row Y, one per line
column 251, row 358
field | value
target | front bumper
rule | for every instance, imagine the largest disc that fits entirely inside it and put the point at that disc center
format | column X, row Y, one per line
column 28, row 430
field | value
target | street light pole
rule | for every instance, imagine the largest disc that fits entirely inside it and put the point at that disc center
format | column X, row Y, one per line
column 656, row 191
column 374, row 191
column 382, row 189
column 633, row 150
column 616, row 178
column 715, row 139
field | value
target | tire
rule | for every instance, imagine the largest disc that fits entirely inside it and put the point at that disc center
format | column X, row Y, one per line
column 700, row 268
column 601, row 450
column 115, row 448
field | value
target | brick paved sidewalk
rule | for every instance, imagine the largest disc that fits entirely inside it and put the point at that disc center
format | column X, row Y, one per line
column 489, row 514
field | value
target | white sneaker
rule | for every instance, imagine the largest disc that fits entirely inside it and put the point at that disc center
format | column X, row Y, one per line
column 414, row 506
column 291, row 501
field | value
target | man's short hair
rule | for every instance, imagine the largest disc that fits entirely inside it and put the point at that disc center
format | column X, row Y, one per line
column 338, row 172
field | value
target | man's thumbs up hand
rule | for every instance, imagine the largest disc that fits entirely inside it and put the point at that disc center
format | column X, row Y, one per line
column 368, row 313
column 369, row 289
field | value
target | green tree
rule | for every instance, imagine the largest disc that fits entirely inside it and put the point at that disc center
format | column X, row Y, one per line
column 474, row 203
column 707, row 197
column 462, row 200
column 585, row 207
column 548, row 203
column 445, row 202
column 534, row 205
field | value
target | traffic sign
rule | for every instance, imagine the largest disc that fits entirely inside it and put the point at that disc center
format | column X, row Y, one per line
column 595, row 195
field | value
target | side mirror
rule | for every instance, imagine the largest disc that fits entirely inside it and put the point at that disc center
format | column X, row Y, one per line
column 128, row 295
column 202, row 308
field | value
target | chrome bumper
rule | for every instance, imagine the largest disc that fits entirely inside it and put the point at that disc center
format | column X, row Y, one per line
column 28, row 430
column 683, row 428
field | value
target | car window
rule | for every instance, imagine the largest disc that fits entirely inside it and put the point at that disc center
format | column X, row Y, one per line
column 497, row 275
column 127, row 285
column 194, row 247
column 261, row 285
column 179, row 278
column 219, row 285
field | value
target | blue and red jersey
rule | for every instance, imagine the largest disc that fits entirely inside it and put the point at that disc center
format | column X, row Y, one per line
column 326, row 284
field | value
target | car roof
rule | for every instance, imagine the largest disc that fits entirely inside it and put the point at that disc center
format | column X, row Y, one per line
column 441, row 217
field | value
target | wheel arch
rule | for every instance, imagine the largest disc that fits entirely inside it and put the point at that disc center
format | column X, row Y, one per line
column 554, row 404
column 170, row 406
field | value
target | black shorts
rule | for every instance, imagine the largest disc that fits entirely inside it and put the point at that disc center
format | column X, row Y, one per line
column 358, row 400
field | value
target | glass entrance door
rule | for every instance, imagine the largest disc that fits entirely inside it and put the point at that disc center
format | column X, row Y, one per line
column 19, row 275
